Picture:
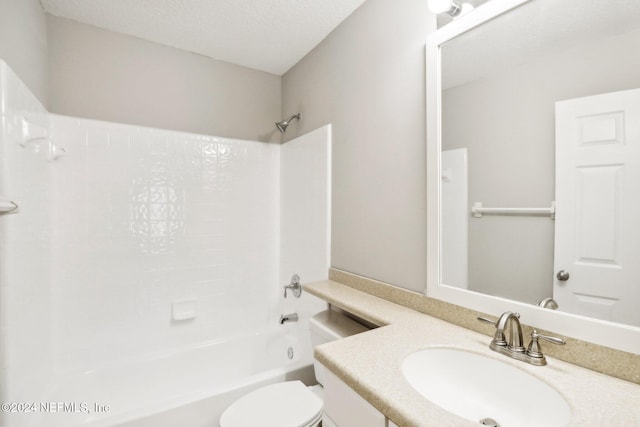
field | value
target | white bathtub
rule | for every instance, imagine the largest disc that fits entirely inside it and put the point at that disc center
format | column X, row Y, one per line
column 187, row 389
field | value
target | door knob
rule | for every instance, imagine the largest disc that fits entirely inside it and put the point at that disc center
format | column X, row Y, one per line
column 562, row 275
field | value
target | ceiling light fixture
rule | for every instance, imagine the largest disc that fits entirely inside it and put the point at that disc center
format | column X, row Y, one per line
column 449, row 7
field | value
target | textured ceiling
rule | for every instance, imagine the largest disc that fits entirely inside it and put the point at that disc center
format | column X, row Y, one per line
column 267, row 35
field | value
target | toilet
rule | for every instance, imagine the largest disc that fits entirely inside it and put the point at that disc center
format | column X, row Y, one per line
column 291, row 403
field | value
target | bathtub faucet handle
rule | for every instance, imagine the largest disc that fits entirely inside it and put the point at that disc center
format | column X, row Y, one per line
column 295, row 286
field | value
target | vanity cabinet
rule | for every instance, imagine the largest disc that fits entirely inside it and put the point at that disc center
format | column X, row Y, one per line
column 343, row 407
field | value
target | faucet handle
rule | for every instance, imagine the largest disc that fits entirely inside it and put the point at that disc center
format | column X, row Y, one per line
column 295, row 286
column 498, row 338
column 489, row 321
column 495, row 322
column 534, row 346
column 554, row 340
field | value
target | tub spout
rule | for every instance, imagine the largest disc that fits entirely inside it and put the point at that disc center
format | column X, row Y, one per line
column 293, row 317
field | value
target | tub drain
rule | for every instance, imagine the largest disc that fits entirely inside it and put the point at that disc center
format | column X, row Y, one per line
column 489, row 422
column 290, row 352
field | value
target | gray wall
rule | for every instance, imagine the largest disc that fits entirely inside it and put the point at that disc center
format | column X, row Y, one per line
column 367, row 78
column 23, row 43
column 507, row 122
column 102, row 75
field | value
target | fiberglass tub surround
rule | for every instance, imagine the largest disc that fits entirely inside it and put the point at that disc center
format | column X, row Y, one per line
column 145, row 256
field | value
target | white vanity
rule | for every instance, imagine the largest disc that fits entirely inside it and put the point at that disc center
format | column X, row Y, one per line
column 368, row 387
column 345, row 407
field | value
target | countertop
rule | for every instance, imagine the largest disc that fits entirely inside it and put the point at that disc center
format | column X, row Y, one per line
column 370, row 363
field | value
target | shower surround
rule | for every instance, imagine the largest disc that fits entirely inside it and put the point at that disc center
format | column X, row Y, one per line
column 139, row 244
column 144, row 219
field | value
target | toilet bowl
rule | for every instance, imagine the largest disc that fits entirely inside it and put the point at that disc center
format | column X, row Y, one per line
column 291, row 403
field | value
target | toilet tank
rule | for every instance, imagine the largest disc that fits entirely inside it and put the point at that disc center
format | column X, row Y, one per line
column 330, row 325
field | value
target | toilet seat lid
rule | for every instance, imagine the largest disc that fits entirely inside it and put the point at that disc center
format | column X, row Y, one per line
column 285, row 404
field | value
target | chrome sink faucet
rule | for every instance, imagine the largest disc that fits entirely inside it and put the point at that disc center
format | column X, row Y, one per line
column 509, row 320
column 513, row 347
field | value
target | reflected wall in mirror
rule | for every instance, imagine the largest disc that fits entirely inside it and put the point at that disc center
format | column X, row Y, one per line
column 541, row 106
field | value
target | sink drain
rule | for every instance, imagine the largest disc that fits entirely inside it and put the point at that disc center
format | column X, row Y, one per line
column 489, row 422
column 290, row 352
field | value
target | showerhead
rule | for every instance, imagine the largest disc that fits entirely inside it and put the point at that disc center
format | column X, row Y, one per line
column 282, row 125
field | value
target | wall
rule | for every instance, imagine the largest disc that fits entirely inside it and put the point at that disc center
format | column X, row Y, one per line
column 145, row 219
column 186, row 217
column 128, row 223
column 509, row 130
column 305, row 217
column 25, row 241
column 23, row 43
column 367, row 79
column 102, row 75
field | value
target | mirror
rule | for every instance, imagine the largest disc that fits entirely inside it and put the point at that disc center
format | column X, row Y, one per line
column 533, row 163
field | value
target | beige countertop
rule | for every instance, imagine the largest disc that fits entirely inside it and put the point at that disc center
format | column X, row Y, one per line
column 370, row 363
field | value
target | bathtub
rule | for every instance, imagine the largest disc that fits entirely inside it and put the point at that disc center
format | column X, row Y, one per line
column 189, row 388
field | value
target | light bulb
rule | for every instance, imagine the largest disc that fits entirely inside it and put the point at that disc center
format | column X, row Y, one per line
column 466, row 8
column 439, row 6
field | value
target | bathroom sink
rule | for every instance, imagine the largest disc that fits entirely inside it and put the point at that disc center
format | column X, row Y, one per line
column 483, row 389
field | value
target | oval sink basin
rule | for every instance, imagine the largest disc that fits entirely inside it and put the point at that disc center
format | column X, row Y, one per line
column 480, row 388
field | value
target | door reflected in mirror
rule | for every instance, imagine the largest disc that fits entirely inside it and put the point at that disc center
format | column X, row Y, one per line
column 541, row 121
